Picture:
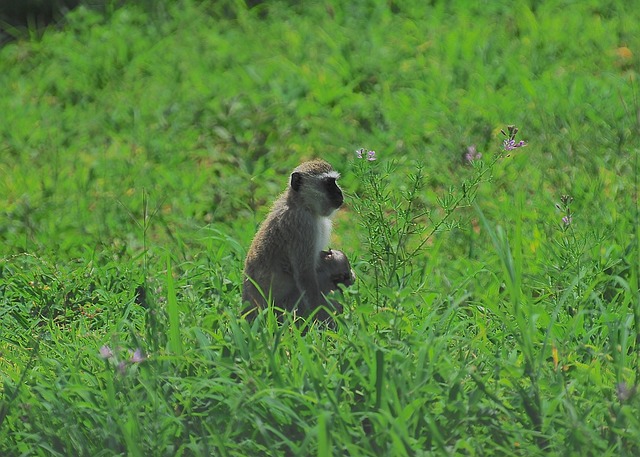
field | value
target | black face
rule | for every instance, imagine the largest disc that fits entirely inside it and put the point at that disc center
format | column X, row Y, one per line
column 333, row 192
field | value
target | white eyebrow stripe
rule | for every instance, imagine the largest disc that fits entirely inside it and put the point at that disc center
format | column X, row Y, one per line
column 330, row 174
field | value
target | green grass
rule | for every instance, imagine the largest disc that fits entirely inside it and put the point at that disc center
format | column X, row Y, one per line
column 140, row 147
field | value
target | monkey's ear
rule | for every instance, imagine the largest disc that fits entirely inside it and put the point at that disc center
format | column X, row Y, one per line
column 296, row 181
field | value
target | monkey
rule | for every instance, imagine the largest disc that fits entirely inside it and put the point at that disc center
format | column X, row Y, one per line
column 333, row 269
column 286, row 262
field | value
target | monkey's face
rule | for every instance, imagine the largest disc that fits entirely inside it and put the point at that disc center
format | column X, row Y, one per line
column 319, row 192
column 333, row 192
column 328, row 196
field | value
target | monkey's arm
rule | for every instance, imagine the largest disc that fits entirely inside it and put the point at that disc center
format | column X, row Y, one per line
column 306, row 280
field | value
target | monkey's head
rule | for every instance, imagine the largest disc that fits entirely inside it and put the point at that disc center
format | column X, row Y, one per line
column 315, row 184
column 335, row 269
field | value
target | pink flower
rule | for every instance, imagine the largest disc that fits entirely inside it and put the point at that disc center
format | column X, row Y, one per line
column 370, row 155
column 509, row 144
column 106, row 352
column 137, row 357
column 472, row 154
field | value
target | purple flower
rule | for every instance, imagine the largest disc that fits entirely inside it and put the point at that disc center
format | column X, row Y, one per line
column 106, row 352
column 370, row 155
column 510, row 144
column 567, row 219
column 136, row 356
column 472, row 154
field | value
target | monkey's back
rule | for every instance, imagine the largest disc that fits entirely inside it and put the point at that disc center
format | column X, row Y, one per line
column 269, row 261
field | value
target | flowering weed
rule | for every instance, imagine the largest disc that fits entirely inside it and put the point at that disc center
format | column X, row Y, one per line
column 398, row 225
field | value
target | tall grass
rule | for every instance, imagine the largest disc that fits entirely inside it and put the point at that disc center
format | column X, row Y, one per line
column 497, row 305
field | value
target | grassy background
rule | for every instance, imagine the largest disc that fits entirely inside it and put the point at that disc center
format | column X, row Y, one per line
column 141, row 146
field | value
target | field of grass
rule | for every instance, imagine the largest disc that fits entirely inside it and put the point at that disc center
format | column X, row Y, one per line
column 497, row 306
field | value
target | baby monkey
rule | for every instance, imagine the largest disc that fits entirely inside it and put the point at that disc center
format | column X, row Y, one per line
column 286, row 262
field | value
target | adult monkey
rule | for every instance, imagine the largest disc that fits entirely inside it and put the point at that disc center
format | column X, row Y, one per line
column 286, row 263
